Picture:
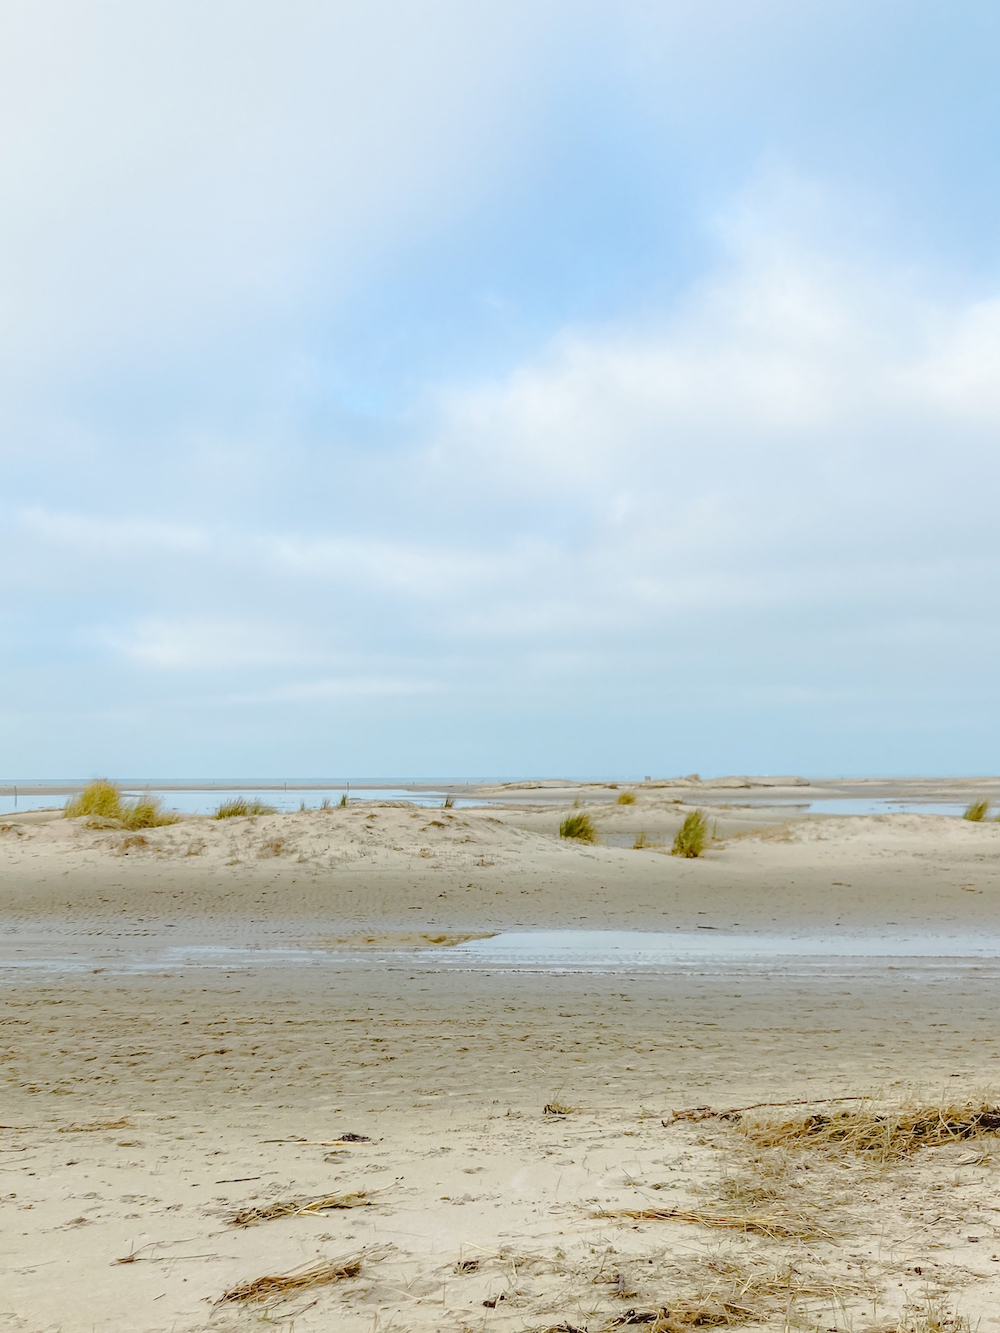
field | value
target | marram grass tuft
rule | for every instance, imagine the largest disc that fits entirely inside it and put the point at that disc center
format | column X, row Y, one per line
column 102, row 799
column 146, row 812
column 692, row 836
column 626, row 798
column 977, row 811
column 240, row 806
column 578, row 827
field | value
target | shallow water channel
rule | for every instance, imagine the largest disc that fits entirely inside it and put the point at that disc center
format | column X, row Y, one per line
column 168, row 951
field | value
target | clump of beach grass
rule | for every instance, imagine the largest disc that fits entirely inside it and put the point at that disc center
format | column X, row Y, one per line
column 578, row 827
column 886, row 1134
column 449, row 801
column 641, row 841
column 102, row 799
column 343, row 800
column 146, row 812
column 240, row 806
column 977, row 810
column 626, row 798
column 691, row 836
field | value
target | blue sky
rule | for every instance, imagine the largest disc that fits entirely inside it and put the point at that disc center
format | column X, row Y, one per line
column 450, row 387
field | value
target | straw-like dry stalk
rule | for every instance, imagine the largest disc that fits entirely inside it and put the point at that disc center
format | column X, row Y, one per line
column 755, row 1224
column 280, row 1286
column 96, row 1126
column 931, row 1320
column 681, row 1318
column 248, row 1217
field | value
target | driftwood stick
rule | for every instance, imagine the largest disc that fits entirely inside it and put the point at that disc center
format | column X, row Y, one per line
column 706, row 1112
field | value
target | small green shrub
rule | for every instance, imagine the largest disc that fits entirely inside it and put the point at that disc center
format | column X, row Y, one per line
column 239, row 806
column 579, row 827
column 977, row 810
column 691, row 837
column 626, row 798
column 100, row 797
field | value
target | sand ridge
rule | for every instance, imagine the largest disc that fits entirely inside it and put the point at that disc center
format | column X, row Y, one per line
column 399, row 870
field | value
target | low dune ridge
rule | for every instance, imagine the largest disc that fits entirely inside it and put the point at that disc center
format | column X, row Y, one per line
column 388, row 868
column 390, row 835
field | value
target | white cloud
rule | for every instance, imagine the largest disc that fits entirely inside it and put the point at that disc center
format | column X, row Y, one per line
column 175, row 170
column 777, row 446
column 793, row 417
column 90, row 535
column 331, row 689
column 217, row 644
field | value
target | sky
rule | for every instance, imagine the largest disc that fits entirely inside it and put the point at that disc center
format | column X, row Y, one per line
column 466, row 388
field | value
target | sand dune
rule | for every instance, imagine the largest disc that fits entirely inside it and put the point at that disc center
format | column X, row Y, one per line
column 392, row 868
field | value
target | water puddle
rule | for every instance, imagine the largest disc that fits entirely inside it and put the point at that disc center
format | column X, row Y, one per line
column 635, row 949
column 207, row 802
column 836, row 805
column 704, row 951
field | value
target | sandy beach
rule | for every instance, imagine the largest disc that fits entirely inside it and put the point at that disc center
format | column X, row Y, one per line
column 196, row 1016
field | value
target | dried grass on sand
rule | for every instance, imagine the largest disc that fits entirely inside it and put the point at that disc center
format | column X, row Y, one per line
column 886, row 1134
column 248, row 1217
column 789, row 1228
column 730, row 1292
column 280, row 1286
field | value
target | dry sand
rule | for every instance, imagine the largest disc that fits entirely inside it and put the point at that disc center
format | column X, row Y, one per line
column 140, row 1109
